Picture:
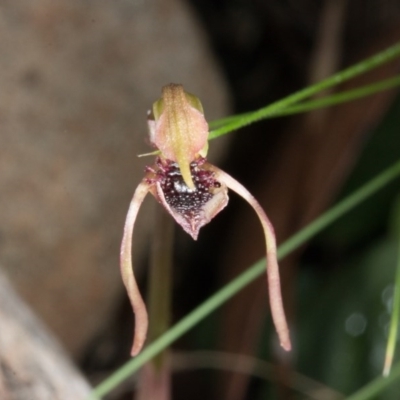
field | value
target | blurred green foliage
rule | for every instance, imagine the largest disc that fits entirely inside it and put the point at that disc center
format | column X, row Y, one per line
column 347, row 277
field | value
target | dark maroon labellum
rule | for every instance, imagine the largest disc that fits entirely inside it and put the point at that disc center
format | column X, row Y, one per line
column 191, row 208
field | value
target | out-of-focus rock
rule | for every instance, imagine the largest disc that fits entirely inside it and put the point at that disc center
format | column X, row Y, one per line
column 33, row 365
column 76, row 81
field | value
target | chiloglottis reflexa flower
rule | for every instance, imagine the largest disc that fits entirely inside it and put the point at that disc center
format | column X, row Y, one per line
column 193, row 191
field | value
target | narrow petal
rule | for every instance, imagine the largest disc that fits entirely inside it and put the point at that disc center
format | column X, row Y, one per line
column 274, row 286
column 128, row 277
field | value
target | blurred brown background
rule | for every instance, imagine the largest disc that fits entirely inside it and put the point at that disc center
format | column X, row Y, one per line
column 77, row 78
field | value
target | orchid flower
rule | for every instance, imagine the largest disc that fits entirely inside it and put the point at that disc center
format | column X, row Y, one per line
column 193, row 192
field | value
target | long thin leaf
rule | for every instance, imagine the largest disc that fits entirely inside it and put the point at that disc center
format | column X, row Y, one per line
column 376, row 386
column 244, row 279
column 394, row 320
column 342, row 76
column 342, row 97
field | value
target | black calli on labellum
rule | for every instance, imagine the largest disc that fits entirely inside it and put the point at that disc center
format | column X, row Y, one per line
column 193, row 192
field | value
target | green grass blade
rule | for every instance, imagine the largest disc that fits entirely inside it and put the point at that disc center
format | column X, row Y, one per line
column 376, row 386
column 342, row 97
column 243, row 280
column 357, row 69
column 394, row 320
column 327, row 101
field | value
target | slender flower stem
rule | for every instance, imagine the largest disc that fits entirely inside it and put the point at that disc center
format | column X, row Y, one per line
column 245, row 278
column 160, row 278
column 349, row 73
column 155, row 376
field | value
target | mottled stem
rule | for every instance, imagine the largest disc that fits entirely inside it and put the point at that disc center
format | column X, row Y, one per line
column 274, row 285
column 128, row 277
